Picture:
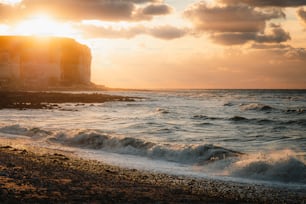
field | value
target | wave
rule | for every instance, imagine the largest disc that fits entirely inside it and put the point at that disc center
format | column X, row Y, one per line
column 92, row 139
column 280, row 166
column 238, row 118
column 298, row 111
column 192, row 154
column 285, row 167
column 204, row 117
column 300, row 122
column 162, row 111
column 243, row 120
column 30, row 132
column 258, row 121
column 256, row 107
column 228, row 104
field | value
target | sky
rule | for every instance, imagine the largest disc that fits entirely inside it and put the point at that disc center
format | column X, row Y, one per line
column 168, row 44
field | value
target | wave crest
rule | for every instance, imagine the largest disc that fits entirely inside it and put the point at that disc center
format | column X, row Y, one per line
column 192, row 154
column 256, row 107
column 280, row 166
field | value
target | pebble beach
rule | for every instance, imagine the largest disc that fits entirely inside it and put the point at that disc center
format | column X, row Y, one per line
column 29, row 175
column 33, row 172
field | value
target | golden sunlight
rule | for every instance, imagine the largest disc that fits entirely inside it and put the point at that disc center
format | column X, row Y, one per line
column 12, row 2
column 43, row 25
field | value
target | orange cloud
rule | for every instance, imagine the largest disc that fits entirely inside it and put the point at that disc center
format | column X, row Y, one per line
column 302, row 15
column 268, row 3
column 237, row 23
column 116, row 10
column 165, row 32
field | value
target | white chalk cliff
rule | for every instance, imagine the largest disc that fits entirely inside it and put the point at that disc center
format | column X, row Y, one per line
column 43, row 61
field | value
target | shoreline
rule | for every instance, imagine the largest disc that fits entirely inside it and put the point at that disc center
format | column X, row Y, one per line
column 28, row 175
column 52, row 100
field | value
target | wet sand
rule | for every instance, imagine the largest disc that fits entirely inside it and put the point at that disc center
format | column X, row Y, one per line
column 31, row 175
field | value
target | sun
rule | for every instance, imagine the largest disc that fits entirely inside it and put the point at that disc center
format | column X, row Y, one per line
column 43, row 25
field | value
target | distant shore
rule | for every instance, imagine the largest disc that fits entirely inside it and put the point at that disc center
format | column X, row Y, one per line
column 49, row 100
column 31, row 175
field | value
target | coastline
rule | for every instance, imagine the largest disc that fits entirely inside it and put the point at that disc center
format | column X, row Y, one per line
column 52, row 100
column 39, row 175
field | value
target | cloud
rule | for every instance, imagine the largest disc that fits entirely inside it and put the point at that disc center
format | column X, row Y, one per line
column 286, row 52
column 302, row 15
column 157, row 9
column 231, row 18
column 235, row 24
column 277, row 35
column 165, row 32
column 168, row 32
column 106, row 10
column 296, row 53
column 268, row 3
column 268, row 46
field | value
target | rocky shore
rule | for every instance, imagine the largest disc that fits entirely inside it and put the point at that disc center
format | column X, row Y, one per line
column 51, row 100
column 31, row 175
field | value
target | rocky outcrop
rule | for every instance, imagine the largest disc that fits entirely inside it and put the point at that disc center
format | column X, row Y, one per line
column 43, row 61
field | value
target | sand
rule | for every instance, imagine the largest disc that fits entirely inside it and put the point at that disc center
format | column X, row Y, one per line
column 31, row 175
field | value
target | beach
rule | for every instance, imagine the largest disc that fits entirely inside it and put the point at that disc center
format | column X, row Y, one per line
column 148, row 147
column 31, row 175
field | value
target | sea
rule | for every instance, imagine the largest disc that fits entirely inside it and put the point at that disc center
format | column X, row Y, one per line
column 247, row 136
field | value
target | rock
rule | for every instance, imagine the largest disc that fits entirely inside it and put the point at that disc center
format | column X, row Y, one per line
column 31, row 62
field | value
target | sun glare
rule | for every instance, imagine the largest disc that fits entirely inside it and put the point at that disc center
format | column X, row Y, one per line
column 12, row 2
column 43, row 25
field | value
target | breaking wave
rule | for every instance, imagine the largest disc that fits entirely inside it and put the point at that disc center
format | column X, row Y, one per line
column 276, row 166
column 280, row 166
column 256, row 106
column 91, row 139
column 187, row 154
column 30, row 132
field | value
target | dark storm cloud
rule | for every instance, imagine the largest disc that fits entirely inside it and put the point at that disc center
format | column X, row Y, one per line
column 106, row 10
column 232, row 18
column 302, row 14
column 268, row 3
column 162, row 32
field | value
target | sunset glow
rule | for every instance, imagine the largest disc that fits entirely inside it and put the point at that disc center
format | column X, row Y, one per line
column 176, row 44
column 43, row 25
column 12, row 2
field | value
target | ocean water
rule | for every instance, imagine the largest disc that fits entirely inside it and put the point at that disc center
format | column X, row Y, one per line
column 241, row 135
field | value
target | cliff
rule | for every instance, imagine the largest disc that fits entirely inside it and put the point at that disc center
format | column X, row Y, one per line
column 43, row 61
